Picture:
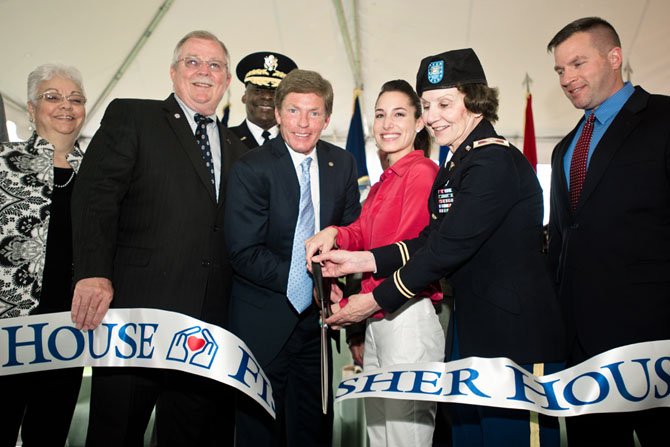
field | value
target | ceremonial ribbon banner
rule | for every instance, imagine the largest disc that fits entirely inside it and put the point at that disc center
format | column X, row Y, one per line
column 630, row 378
column 147, row 338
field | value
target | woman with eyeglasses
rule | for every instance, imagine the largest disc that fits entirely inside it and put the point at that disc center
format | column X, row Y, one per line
column 36, row 248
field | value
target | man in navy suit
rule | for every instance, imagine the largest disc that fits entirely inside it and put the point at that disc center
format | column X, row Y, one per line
column 148, row 232
column 269, row 194
column 610, row 243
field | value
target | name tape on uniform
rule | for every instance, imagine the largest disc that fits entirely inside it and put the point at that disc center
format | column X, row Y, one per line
column 630, row 378
column 147, row 338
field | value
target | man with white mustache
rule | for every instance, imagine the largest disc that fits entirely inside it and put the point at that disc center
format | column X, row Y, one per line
column 148, row 233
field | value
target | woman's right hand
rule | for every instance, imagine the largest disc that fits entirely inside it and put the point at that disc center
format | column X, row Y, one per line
column 321, row 242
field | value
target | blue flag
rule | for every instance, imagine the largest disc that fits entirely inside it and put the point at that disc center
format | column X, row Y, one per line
column 356, row 145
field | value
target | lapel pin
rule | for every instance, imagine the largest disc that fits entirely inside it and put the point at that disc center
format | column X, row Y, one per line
column 176, row 115
column 331, row 164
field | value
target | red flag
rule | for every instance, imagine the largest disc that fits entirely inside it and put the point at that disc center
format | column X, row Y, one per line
column 529, row 146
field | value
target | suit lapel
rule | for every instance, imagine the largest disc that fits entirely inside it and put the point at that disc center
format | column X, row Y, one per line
column 182, row 129
column 557, row 167
column 227, row 159
column 286, row 175
column 247, row 137
column 624, row 123
column 250, row 140
column 327, row 170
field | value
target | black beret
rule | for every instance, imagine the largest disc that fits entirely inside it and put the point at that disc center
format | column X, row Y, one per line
column 264, row 69
column 449, row 69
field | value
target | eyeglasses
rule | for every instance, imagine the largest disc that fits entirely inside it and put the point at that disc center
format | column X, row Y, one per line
column 56, row 98
column 194, row 63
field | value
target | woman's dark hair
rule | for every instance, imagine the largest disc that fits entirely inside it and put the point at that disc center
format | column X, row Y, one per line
column 422, row 139
column 480, row 98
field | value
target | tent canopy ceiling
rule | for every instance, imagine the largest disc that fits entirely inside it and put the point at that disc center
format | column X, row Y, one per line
column 510, row 38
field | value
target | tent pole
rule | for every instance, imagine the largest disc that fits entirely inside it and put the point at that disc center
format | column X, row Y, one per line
column 353, row 52
column 160, row 13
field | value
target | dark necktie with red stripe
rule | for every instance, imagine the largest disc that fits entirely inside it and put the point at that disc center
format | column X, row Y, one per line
column 578, row 162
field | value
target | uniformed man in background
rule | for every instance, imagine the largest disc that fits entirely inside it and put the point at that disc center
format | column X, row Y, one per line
column 261, row 73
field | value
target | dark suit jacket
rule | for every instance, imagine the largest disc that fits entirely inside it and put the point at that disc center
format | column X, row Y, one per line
column 488, row 245
column 612, row 258
column 244, row 134
column 261, row 214
column 145, row 214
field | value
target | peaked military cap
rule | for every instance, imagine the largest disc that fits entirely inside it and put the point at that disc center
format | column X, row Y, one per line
column 449, row 69
column 264, row 69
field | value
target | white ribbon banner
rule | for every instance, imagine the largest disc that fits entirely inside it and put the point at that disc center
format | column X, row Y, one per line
column 630, row 378
column 147, row 338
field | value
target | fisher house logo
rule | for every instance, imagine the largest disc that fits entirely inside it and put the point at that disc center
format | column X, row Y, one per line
column 193, row 346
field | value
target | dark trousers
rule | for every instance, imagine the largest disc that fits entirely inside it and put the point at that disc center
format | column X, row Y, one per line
column 295, row 376
column 41, row 403
column 190, row 410
column 615, row 429
column 481, row 426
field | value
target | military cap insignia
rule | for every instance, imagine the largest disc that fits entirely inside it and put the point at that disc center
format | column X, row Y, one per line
column 270, row 62
column 492, row 140
column 435, row 72
column 262, row 68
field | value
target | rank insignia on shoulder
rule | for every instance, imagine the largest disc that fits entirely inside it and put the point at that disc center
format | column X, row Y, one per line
column 492, row 140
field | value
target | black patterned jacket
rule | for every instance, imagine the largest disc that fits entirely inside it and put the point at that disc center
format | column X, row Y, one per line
column 26, row 184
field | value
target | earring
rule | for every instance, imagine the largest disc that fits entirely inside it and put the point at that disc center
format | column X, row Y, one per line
column 30, row 118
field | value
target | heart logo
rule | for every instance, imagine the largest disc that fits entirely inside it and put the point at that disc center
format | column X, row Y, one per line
column 194, row 343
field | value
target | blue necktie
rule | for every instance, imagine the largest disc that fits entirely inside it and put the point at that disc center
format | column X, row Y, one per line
column 203, row 143
column 300, row 284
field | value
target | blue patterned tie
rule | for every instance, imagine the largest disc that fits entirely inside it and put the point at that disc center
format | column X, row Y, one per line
column 203, row 143
column 300, row 285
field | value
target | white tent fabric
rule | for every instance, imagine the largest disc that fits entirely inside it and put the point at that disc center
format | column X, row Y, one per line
column 509, row 36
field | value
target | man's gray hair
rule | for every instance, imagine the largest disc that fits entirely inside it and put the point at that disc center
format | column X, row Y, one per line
column 200, row 34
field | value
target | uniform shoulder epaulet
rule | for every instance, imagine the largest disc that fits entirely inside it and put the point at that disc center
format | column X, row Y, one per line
column 492, row 140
